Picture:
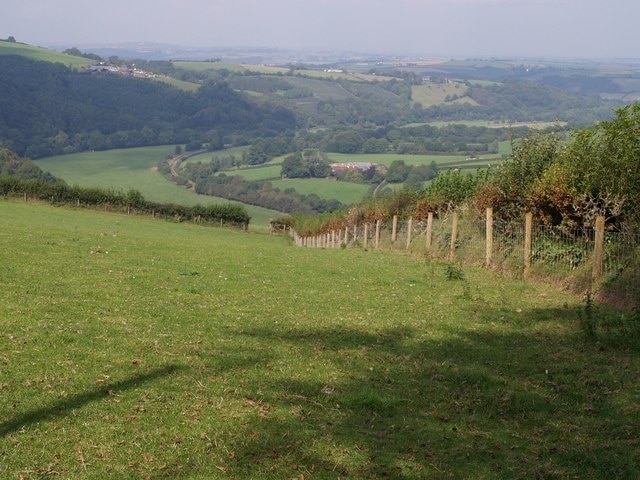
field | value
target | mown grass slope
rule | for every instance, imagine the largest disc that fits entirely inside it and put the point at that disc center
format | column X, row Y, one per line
column 138, row 348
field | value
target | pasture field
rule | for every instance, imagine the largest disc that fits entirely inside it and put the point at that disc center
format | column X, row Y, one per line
column 273, row 70
column 327, row 188
column 498, row 124
column 206, row 157
column 430, row 93
column 389, row 158
column 342, row 75
column 138, row 348
column 232, row 67
column 128, row 168
column 43, row 54
column 180, row 84
column 259, row 173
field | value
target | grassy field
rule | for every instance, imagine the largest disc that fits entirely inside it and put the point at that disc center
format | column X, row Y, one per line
column 429, row 93
column 43, row 54
column 388, row 158
column 135, row 168
column 345, row 192
column 124, row 169
column 207, row 156
column 498, row 124
column 232, row 67
column 139, row 348
column 272, row 70
column 262, row 173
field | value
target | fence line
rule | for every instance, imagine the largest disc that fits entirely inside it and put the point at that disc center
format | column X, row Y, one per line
column 595, row 258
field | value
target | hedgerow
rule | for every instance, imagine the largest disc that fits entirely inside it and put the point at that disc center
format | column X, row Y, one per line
column 131, row 201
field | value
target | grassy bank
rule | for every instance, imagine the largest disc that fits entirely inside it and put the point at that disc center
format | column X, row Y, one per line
column 133, row 348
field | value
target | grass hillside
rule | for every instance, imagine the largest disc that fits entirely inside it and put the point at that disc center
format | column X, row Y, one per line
column 42, row 54
column 429, row 93
column 134, row 168
column 139, row 348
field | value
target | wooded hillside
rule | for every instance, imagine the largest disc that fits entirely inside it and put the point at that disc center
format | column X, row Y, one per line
column 49, row 109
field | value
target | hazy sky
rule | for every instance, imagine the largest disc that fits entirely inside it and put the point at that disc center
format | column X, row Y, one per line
column 550, row 28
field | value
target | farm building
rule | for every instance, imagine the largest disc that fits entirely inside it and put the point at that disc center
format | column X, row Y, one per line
column 361, row 166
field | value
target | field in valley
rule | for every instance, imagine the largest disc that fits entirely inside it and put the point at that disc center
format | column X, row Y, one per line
column 134, row 168
column 124, row 169
column 141, row 348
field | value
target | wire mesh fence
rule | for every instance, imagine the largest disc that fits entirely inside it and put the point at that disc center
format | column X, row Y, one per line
column 571, row 258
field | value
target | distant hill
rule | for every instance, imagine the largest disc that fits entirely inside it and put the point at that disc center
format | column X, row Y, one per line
column 43, row 54
column 48, row 108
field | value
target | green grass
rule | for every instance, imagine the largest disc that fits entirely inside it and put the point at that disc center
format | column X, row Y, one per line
column 43, row 54
column 232, row 67
column 139, row 348
column 388, row 158
column 123, row 169
column 498, row 124
column 207, row 156
column 261, row 173
column 345, row 192
column 429, row 93
column 128, row 168
column 181, row 84
column 272, row 70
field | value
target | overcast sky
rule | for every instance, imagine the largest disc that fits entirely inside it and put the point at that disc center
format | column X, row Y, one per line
column 530, row 28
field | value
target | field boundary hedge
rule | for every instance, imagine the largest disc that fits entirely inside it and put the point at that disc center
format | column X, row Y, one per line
column 131, row 202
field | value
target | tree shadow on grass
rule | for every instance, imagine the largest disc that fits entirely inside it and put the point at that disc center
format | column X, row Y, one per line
column 66, row 406
column 473, row 404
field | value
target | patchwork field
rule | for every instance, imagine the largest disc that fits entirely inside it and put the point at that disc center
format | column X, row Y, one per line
column 140, row 348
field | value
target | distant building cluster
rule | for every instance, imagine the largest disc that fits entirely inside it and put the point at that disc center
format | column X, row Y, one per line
column 357, row 166
column 131, row 71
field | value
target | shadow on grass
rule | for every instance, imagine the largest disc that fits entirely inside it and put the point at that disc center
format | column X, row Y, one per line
column 66, row 406
column 473, row 404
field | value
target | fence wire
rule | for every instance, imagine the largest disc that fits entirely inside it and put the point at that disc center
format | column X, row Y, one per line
column 558, row 255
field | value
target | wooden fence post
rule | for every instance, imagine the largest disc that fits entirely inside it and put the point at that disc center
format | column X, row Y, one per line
column 598, row 250
column 355, row 233
column 346, row 236
column 365, row 241
column 454, row 237
column 528, row 237
column 378, row 222
column 489, row 240
column 394, row 229
column 429, row 233
column 409, row 229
